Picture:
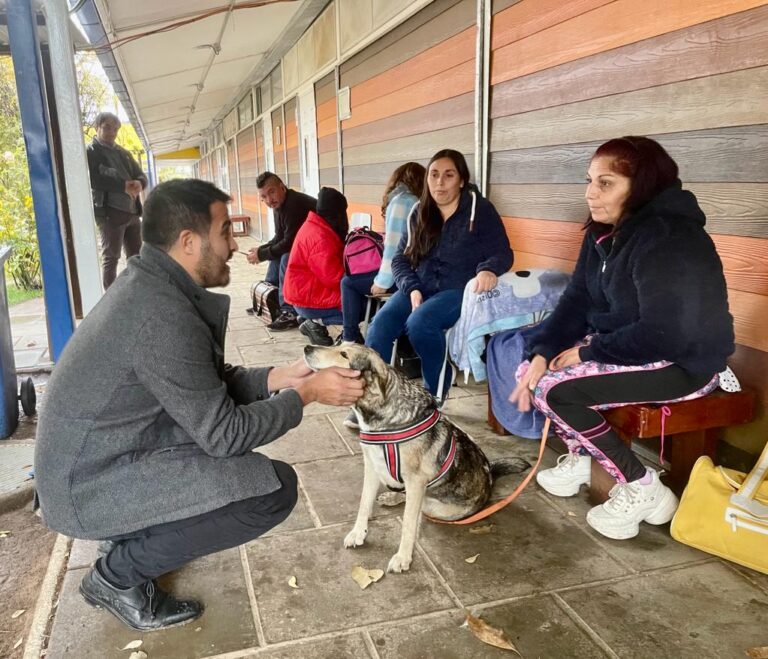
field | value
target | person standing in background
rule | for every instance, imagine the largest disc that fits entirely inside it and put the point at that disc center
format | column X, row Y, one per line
column 116, row 183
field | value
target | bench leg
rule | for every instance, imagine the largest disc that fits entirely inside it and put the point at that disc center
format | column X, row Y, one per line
column 493, row 422
column 687, row 447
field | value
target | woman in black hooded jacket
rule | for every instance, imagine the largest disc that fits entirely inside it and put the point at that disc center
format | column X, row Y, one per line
column 647, row 310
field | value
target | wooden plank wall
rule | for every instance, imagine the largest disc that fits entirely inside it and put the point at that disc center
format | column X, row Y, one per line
column 292, row 145
column 327, row 131
column 692, row 74
column 278, row 144
column 411, row 95
column 234, row 183
column 249, row 170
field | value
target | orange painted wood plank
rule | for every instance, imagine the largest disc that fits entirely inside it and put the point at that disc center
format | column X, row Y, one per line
column 326, row 127
column 560, row 240
column 527, row 18
column 454, row 82
column 527, row 261
column 326, row 110
column 354, row 207
column 434, row 60
column 750, row 316
column 586, row 34
column 745, row 262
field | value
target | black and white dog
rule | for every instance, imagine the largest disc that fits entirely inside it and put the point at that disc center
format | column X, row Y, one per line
column 408, row 444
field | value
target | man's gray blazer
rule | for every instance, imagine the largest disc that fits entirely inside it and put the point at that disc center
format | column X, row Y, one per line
column 142, row 422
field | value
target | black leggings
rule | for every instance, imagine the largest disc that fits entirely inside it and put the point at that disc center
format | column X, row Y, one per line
column 149, row 553
column 573, row 400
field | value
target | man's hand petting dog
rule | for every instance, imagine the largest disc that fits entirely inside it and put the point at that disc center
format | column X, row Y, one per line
column 331, row 386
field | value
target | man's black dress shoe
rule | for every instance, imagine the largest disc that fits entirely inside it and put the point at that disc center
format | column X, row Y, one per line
column 146, row 607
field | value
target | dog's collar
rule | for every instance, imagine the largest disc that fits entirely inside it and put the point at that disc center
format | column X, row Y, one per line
column 401, row 435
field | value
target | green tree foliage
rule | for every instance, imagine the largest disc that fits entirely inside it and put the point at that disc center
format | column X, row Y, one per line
column 17, row 217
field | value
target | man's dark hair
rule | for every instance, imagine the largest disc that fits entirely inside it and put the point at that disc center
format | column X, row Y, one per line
column 106, row 116
column 265, row 177
column 177, row 205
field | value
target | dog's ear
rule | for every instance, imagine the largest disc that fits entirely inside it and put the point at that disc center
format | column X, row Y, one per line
column 373, row 371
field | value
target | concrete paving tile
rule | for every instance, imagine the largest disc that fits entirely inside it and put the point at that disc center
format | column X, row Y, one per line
column 320, row 408
column 653, row 548
column 537, row 627
column 82, row 554
column 469, row 413
column 313, row 439
column 350, row 646
column 698, row 611
column 518, row 557
column 328, row 599
column 352, row 437
column 298, row 519
column 244, row 323
column 248, row 337
column 334, row 488
column 27, row 358
column 226, row 625
column 757, row 578
column 271, row 354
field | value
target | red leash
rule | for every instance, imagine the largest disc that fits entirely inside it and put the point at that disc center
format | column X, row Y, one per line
column 502, row 503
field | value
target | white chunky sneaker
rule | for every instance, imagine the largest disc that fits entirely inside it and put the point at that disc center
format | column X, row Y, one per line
column 565, row 479
column 631, row 503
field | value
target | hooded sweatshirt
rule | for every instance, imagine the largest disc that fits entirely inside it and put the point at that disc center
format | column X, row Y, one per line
column 653, row 290
column 473, row 239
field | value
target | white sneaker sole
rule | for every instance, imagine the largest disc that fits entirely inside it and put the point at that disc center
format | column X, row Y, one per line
column 663, row 514
column 565, row 490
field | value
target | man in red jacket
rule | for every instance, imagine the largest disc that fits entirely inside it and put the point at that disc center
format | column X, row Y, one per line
column 316, row 266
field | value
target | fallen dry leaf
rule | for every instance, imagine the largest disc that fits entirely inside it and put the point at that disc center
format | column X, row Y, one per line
column 364, row 577
column 758, row 653
column 5, row 534
column 139, row 654
column 31, row 344
column 489, row 635
column 16, row 614
column 197, row 629
column 481, row 530
column 18, row 643
column 133, row 645
column 571, row 513
column 292, row 582
column 471, row 559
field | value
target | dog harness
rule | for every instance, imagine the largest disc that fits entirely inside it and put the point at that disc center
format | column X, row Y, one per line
column 390, row 441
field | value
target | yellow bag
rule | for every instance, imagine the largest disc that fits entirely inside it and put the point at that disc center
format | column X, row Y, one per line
column 725, row 513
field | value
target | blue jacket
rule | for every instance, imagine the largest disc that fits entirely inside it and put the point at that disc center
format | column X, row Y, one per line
column 473, row 239
column 653, row 291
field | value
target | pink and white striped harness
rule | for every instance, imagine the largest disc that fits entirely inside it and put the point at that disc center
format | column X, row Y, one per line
column 390, row 443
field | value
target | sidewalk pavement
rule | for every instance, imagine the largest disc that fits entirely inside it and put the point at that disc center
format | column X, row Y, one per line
column 555, row 586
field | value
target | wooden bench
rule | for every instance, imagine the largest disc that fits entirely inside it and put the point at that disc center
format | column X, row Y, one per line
column 690, row 431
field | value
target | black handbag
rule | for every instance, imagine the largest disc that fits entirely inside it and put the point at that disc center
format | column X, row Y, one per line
column 265, row 301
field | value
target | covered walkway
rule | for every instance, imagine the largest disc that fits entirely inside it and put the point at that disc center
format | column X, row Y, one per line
column 555, row 586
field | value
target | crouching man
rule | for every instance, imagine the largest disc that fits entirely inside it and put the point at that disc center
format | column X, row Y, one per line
column 146, row 435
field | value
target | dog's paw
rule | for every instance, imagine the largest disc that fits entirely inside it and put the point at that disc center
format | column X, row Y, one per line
column 391, row 498
column 355, row 538
column 399, row 563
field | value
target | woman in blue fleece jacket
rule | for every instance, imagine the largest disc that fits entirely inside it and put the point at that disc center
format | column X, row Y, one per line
column 647, row 310
column 454, row 235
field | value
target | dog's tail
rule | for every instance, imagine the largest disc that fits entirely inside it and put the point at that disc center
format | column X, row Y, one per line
column 506, row 466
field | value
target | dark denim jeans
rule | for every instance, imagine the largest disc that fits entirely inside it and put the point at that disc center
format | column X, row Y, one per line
column 276, row 276
column 354, row 288
column 425, row 328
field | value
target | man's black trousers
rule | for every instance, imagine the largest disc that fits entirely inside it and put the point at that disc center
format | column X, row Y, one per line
column 149, row 553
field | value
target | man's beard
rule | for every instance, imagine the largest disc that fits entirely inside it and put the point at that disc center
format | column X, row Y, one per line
column 212, row 270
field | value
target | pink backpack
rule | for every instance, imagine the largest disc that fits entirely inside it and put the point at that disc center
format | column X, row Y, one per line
column 362, row 251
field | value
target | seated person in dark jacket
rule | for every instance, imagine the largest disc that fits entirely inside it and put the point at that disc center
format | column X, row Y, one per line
column 454, row 235
column 290, row 210
column 647, row 310
column 116, row 182
column 147, row 436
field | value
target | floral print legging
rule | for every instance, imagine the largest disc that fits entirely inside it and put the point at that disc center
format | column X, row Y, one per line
column 571, row 397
